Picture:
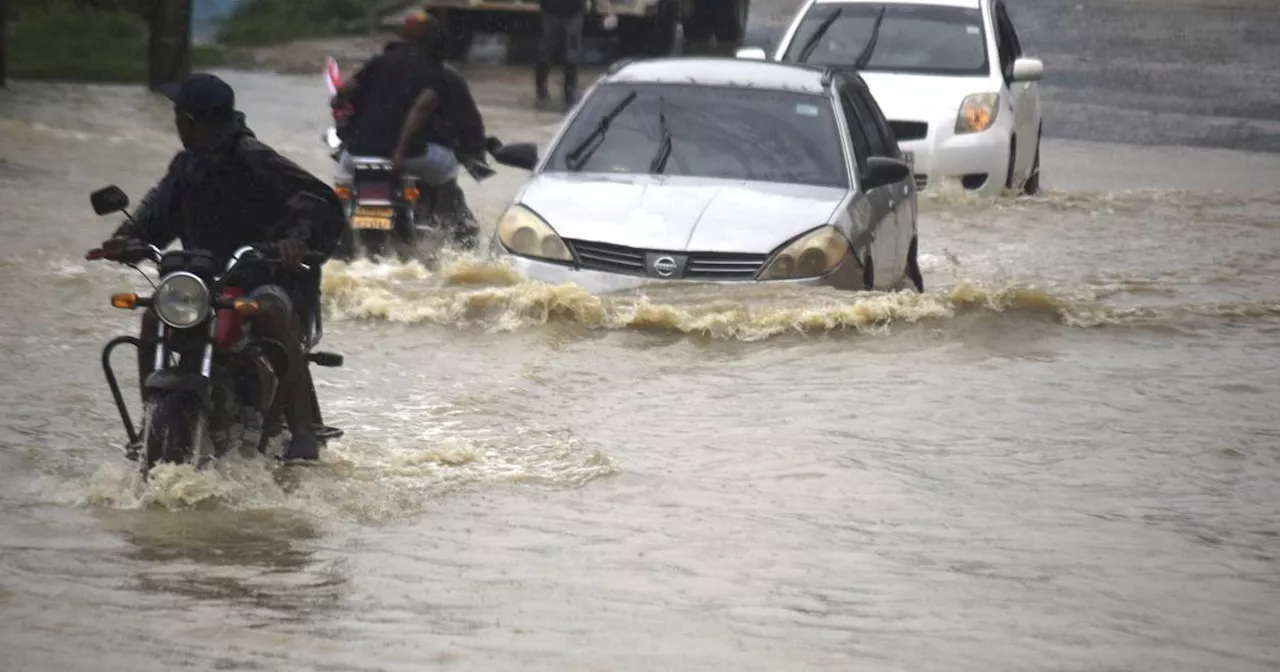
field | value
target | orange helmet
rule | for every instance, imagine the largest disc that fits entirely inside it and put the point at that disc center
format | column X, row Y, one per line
column 415, row 25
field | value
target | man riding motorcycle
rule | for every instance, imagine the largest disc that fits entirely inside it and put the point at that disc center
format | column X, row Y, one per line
column 408, row 105
column 227, row 189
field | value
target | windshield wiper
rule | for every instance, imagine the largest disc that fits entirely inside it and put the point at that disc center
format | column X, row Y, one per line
column 865, row 56
column 589, row 144
column 812, row 43
column 664, row 148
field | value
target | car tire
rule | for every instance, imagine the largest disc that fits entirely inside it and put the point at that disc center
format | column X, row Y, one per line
column 913, row 266
column 1032, row 186
column 1013, row 161
column 869, row 274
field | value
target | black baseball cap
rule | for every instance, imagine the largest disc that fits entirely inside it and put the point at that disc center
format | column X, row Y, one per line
column 201, row 95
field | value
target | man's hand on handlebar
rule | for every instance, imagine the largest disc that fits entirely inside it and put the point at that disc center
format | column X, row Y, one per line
column 121, row 249
column 291, row 252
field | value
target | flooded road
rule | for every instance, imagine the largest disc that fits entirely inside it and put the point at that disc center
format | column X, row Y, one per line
column 1064, row 456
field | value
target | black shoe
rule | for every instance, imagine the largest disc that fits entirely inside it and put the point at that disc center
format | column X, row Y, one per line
column 302, row 447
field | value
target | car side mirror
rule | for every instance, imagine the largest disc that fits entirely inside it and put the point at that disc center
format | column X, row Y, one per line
column 753, row 53
column 108, row 200
column 882, row 171
column 517, row 155
column 1028, row 70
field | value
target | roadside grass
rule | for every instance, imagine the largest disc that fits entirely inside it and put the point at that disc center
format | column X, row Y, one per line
column 257, row 23
column 59, row 42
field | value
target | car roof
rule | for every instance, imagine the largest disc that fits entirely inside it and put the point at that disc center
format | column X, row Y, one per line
column 967, row 4
column 731, row 72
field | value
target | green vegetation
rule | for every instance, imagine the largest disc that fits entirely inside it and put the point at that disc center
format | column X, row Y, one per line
column 261, row 22
column 51, row 39
column 106, row 40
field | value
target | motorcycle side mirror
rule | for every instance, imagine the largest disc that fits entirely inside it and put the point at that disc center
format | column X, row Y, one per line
column 108, row 200
column 517, row 155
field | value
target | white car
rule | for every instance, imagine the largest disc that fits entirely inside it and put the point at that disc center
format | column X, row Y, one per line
column 951, row 76
column 716, row 170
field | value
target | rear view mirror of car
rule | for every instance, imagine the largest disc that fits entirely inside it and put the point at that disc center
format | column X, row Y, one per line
column 882, row 171
column 754, row 53
column 517, row 155
column 108, row 200
column 1028, row 70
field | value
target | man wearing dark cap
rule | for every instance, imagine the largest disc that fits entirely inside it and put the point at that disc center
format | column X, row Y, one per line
column 225, row 190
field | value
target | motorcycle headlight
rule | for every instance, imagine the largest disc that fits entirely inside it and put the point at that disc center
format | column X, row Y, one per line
column 977, row 113
column 809, row 256
column 525, row 234
column 182, row 300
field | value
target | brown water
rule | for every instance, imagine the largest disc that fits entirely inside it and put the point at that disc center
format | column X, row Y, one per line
column 1064, row 456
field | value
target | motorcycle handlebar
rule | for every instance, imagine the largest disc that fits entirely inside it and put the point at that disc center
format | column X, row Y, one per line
column 269, row 257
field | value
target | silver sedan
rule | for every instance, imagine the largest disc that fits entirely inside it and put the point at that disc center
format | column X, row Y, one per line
column 716, row 170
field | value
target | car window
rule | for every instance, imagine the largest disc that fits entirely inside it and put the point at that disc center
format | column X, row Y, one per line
column 1006, row 42
column 882, row 122
column 1011, row 33
column 927, row 39
column 720, row 132
column 877, row 134
column 861, row 146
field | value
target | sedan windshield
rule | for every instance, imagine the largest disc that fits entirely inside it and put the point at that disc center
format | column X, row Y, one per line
column 925, row 39
column 705, row 131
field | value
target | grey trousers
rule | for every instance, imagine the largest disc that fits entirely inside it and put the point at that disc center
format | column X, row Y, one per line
column 560, row 32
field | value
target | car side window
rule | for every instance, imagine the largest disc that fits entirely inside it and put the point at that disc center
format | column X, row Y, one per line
column 876, row 140
column 1006, row 41
column 861, row 147
column 1015, row 45
column 890, row 142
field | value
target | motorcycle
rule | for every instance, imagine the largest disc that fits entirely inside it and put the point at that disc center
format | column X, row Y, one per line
column 389, row 213
column 215, row 386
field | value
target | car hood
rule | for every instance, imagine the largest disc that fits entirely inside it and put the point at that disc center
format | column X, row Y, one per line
column 679, row 213
column 922, row 97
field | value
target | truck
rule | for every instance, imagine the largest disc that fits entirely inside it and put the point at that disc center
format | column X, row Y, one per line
column 645, row 28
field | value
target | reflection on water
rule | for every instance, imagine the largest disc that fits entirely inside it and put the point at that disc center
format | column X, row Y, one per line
column 261, row 559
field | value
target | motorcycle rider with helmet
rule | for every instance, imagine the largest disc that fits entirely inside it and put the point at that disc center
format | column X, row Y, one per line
column 224, row 190
column 408, row 105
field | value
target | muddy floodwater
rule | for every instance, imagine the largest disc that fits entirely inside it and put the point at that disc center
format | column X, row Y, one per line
column 1064, row 456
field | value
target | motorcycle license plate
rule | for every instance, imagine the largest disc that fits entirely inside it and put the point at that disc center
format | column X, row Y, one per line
column 379, row 219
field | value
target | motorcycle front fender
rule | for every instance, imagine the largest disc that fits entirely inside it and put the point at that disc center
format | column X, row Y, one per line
column 172, row 380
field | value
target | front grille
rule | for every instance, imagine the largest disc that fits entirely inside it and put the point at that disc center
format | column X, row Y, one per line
column 909, row 130
column 609, row 258
column 922, row 181
column 723, row 265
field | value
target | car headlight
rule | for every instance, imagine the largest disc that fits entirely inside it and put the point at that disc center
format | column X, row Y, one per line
column 977, row 113
column 809, row 256
column 182, row 300
column 525, row 234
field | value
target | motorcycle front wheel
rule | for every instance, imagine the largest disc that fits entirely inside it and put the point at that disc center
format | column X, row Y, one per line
column 170, row 430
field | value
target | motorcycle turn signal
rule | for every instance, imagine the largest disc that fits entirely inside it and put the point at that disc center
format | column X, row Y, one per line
column 129, row 301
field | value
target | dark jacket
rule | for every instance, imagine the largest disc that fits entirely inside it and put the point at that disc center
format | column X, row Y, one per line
column 239, row 192
column 563, row 7
column 389, row 84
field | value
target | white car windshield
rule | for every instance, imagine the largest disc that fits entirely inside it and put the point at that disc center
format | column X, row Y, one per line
column 717, row 132
column 924, row 39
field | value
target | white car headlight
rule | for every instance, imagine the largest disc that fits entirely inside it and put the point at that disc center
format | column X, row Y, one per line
column 525, row 234
column 182, row 300
column 809, row 256
column 977, row 113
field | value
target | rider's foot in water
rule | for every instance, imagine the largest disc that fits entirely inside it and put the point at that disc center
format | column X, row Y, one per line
column 303, row 447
